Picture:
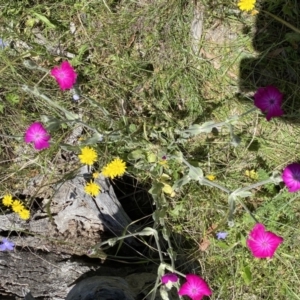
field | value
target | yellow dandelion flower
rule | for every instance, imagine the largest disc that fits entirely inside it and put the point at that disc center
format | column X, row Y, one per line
column 96, row 175
column 246, row 5
column 24, row 214
column 211, row 177
column 7, row 200
column 92, row 189
column 115, row 168
column 17, row 206
column 88, row 156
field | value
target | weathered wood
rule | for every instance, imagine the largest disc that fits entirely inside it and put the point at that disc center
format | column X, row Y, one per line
column 44, row 274
column 76, row 223
column 48, row 276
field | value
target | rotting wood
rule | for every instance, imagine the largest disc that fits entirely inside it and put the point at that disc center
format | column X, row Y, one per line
column 77, row 223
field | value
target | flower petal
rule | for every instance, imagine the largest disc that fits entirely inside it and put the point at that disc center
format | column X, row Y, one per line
column 269, row 99
column 291, row 177
column 274, row 111
column 65, row 75
column 37, row 134
column 195, row 287
column 169, row 277
column 263, row 243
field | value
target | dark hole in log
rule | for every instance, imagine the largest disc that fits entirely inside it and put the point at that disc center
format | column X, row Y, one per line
column 135, row 199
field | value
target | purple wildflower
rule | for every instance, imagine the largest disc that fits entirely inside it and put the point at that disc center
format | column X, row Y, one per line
column 221, row 235
column 263, row 243
column 65, row 75
column 291, row 177
column 195, row 287
column 38, row 135
column 6, row 245
column 269, row 99
column 169, row 277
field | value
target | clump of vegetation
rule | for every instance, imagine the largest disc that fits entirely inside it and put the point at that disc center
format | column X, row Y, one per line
column 198, row 101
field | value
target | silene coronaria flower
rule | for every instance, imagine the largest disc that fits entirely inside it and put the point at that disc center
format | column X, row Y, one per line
column 269, row 99
column 65, row 75
column 195, row 287
column 291, row 177
column 263, row 243
column 169, row 280
column 172, row 277
column 38, row 135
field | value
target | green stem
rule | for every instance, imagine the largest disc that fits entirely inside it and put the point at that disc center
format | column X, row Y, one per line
column 214, row 184
column 257, row 184
column 287, row 24
column 36, row 93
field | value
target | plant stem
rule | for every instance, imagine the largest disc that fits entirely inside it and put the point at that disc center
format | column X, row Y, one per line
column 287, row 24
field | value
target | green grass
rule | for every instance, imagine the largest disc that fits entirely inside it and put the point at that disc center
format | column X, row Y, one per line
column 135, row 61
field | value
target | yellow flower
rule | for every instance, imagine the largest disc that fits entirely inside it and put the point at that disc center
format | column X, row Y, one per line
column 96, row 175
column 92, row 189
column 24, row 214
column 211, row 177
column 88, row 156
column 115, row 168
column 251, row 174
column 163, row 163
column 254, row 12
column 17, row 206
column 167, row 189
column 246, row 5
column 7, row 200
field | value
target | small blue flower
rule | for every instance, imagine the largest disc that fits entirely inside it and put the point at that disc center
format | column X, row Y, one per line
column 3, row 44
column 222, row 235
column 6, row 245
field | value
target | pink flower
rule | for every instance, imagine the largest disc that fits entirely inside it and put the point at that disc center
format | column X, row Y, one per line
column 291, row 177
column 263, row 243
column 269, row 100
column 64, row 75
column 169, row 277
column 38, row 135
column 195, row 287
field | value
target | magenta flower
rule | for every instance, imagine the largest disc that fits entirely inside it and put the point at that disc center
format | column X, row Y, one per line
column 263, row 243
column 64, row 75
column 169, row 277
column 291, row 177
column 195, row 287
column 6, row 245
column 38, row 135
column 269, row 99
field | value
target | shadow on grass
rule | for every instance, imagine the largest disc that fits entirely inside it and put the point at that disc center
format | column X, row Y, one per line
column 278, row 62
